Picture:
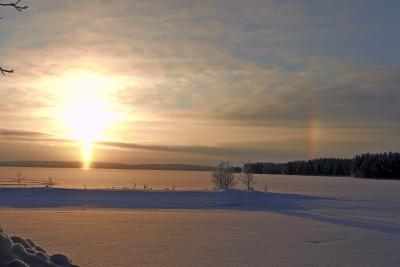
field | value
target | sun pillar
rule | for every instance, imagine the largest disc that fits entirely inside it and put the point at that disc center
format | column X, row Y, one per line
column 86, row 154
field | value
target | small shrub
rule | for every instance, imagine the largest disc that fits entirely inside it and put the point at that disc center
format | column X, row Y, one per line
column 223, row 177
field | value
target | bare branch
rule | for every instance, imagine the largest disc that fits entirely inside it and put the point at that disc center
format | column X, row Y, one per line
column 15, row 5
column 247, row 177
column 223, row 177
column 4, row 71
column 20, row 8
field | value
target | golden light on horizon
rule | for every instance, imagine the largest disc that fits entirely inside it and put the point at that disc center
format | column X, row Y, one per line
column 87, row 111
column 87, row 120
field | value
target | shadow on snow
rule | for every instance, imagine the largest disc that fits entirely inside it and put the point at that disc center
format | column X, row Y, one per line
column 301, row 206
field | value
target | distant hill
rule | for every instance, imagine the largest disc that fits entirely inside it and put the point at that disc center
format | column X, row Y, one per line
column 105, row 165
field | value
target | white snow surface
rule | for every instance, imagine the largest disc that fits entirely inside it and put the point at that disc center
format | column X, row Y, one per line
column 314, row 221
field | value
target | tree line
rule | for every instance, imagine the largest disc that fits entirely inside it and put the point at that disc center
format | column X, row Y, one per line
column 371, row 165
column 384, row 165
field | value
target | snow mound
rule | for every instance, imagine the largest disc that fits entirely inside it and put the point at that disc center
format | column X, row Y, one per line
column 18, row 252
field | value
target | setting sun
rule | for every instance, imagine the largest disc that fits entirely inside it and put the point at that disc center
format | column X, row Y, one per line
column 87, row 119
column 87, row 111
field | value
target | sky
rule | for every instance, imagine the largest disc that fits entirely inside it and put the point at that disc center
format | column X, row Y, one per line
column 199, row 81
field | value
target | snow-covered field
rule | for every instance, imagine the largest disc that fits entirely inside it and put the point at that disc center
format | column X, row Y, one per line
column 314, row 221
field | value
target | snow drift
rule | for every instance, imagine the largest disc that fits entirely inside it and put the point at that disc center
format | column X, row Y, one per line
column 18, row 252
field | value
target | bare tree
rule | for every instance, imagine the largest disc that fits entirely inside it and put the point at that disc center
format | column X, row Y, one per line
column 19, row 178
column 16, row 5
column 247, row 176
column 223, row 176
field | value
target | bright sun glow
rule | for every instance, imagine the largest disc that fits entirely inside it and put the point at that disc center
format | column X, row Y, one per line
column 87, row 120
column 87, row 110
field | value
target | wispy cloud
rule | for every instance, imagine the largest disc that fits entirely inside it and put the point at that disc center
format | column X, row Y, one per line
column 201, row 74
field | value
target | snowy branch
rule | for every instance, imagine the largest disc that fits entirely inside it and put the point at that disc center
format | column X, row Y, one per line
column 4, row 71
column 15, row 5
column 20, row 8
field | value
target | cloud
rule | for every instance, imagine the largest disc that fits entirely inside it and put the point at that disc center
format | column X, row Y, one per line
column 362, row 96
column 344, row 143
column 32, row 136
column 20, row 133
column 202, row 74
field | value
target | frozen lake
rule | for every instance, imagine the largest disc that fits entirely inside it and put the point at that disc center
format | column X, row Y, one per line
column 117, row 178
column 302, row 221
column 188, row 180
